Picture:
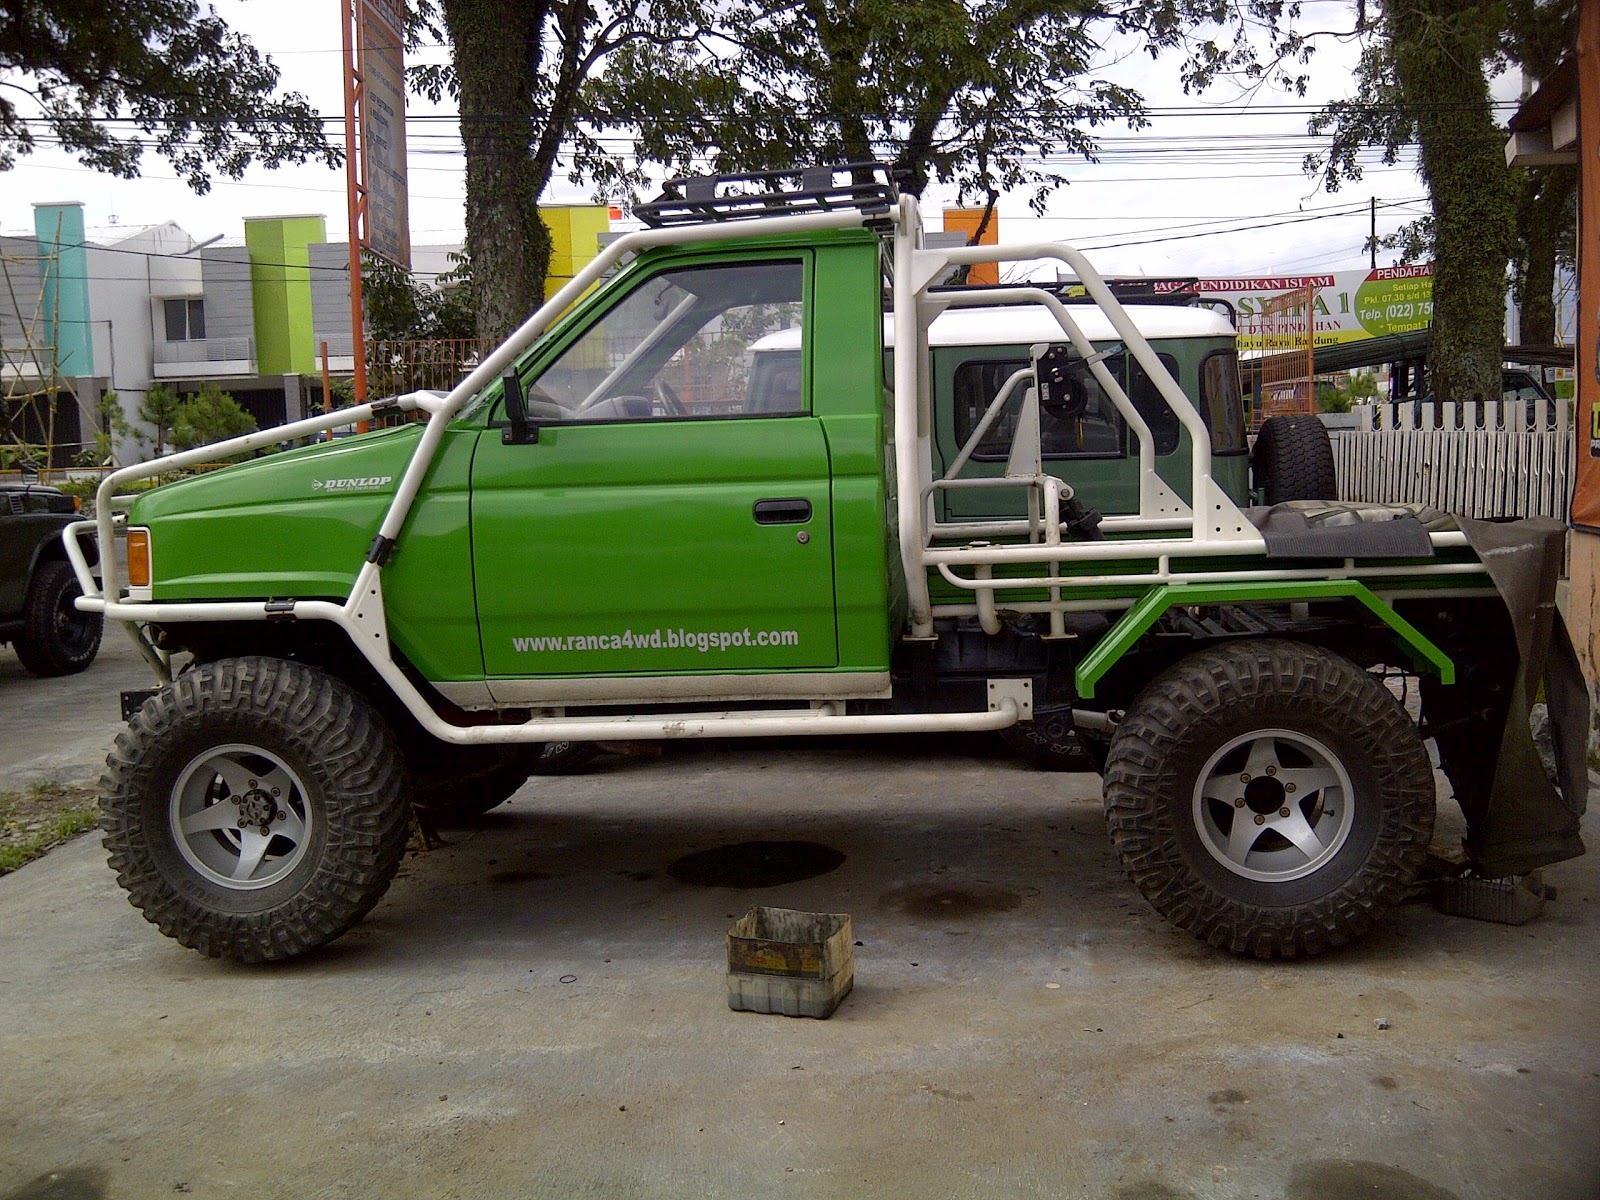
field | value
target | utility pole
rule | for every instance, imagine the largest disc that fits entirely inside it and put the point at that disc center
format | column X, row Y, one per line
column 1372, row 239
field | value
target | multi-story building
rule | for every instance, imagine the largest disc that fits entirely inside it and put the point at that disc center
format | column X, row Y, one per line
column 86, row 311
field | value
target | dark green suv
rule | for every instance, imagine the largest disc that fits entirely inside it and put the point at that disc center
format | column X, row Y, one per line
column 37, row 586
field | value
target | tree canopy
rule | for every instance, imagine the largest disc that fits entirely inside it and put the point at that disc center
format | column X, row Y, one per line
column 1424, row 79
column 108, row 81
column 985, row 96
column 517, row 68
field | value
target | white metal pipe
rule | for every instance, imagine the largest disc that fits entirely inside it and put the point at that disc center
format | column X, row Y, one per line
column 1131, row 337
column 105, row 494
column 1109, row 383
column 698, row 725
column 1090, row 551
column 982, row 585
column 988, row 419
column 910, row 349
column 1040, row 606
column 967, row 530
column 988, row 618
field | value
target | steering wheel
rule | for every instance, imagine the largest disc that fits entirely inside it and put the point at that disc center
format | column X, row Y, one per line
column 668, row 397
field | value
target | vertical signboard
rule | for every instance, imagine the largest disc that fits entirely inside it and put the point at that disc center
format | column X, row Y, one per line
column 1586, row 495
column 380, row 25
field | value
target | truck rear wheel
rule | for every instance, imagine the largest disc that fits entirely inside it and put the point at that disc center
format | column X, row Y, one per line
column 1269, row 797
column 468, row 782
column 255, row 809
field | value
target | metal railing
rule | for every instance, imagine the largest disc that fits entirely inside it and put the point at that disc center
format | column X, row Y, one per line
column 397, row 367
column 207, row 350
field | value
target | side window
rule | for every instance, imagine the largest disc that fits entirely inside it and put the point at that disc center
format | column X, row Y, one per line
column 1221, row 403
column 683, row 344
column 1146, row 397
column 185, row 320
column 1096, row 433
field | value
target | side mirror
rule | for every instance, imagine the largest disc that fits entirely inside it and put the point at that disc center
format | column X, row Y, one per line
column 29, row 471
column 519, row 431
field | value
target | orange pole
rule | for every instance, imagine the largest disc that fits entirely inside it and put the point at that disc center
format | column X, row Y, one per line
column 327, row 390
column 356, row 195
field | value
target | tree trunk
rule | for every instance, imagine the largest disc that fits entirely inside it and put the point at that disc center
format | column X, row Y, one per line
column 497, row 59
column 1439, row 49
column 1542, row 221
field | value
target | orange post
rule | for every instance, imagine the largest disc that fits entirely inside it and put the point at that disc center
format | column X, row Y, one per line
column 356, row 193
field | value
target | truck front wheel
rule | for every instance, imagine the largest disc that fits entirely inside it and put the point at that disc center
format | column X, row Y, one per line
column 1269, row 797
column 255, row 809
column 56, row 638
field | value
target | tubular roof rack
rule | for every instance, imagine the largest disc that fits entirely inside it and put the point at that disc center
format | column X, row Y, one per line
column 687, row 200
column 1129, row 290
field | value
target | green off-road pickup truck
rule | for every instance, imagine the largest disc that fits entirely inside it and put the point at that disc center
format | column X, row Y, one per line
column 745, row 488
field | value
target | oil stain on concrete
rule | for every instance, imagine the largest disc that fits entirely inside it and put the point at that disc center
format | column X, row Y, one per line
column 948, row 902
column 1346, row 1180
column 756, row 864
column 84, row 1183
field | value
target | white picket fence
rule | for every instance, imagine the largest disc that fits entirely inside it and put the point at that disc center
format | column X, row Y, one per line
column 1494, row 459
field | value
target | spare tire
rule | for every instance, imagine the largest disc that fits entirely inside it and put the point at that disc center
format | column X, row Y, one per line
column 1293, row 460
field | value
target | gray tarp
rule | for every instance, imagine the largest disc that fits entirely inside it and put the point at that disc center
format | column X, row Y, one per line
column 1518, row 816
column 1529, row 819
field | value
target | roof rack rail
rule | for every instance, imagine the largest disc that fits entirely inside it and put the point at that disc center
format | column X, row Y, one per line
column 868, row 186
column 1127, row 289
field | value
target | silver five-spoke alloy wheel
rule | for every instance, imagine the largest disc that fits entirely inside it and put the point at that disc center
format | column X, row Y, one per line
column 240, row 817
column 1273, row 805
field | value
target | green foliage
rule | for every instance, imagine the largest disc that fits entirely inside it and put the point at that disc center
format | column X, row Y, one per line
column 516, row 71
column 160, row 409
column 210, row 415
column 974, row 94
column 1423, row 79
column 170, row 69
column 16, row 454
column 111, row 427
column 183, row 422
column 402, row 307
column 1331, row 398
column 44, row 816
column 1362, row 386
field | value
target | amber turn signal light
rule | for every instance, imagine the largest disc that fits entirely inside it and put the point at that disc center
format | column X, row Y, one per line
column 138, row 558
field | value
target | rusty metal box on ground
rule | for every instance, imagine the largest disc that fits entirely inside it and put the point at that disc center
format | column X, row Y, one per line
column 799, row 964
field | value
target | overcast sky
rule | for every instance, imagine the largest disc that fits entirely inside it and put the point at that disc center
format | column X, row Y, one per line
column 1212, row 166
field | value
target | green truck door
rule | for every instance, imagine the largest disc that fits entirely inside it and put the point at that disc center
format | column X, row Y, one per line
column 669, row 519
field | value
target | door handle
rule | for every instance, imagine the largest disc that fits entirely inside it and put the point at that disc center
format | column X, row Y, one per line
column 782, row 512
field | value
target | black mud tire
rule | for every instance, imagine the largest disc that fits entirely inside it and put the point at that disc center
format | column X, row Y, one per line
column 564, row 758
column 1293, row 460
column 1051, row 744
column 56, row 638
column 1310, row 715
column 327, row 859
column 477, row 780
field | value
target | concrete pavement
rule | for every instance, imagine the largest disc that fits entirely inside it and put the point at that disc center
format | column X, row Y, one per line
column 538, row 1009
column 58, row 730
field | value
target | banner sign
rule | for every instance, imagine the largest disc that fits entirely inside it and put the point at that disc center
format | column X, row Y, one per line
column 382, row 114
column 1348, row 305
